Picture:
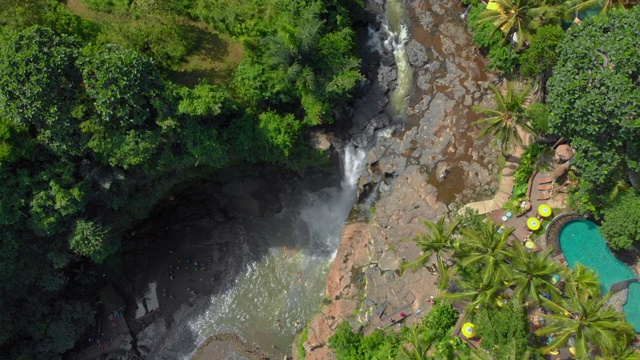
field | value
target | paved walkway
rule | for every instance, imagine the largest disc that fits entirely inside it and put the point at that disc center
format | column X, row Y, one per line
column 506, row 181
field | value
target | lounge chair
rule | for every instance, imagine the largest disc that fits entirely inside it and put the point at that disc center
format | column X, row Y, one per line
column 545, row 195
column 545, row 187
column 544, row 179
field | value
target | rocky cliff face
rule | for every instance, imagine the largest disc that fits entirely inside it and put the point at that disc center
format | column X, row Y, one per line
column 416, row 171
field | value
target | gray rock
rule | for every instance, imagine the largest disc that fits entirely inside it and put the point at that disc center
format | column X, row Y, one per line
column 380, row 121
column 360, row 140
column 442, row 170
column 389, row 262
column 417, row 54
column 392, row 164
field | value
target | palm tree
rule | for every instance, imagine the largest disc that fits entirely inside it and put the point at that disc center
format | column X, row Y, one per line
column 532, row 274
column 575, row 6
column 590, row 320
column 519, row 19
column 583, row 282
column 477, row 292
column 417, row 347
column 438, row 241
column 626, row 354
column 508, row 119
column 486, row 248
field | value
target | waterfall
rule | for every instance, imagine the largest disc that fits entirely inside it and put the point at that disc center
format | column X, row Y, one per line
column 353, row 161
column 278, row 269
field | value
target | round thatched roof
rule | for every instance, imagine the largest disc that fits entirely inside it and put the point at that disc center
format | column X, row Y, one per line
column 564, row 152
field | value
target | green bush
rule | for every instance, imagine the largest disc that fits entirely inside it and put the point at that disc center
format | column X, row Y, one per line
column 621, row 224
column 542, row 54
column 345, row 342
column 484, row 33
column 538, row 118
column 442, row 317
column 525, row 170
column 502, row 59
column 505, row 332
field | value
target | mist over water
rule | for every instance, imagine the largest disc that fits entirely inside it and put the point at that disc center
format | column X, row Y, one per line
column 282, row 264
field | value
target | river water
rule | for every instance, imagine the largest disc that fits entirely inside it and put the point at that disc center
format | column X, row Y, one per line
column 270, row 299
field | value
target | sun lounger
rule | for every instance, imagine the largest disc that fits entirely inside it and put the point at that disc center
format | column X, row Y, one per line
column 543, row 196
column 545, row 187
column 544, row 179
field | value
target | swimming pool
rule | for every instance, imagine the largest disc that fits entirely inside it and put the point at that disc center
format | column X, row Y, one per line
column 581, row 242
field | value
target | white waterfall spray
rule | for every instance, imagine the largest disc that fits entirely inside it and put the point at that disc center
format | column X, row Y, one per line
column 353, row 161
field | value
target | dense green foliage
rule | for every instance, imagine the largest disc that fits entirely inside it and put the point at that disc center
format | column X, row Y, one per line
column 93, row 135
column 621, row 221
column 524, row 171
column 542, row 54
column 505, row 332
column 502, row 58
column 594, row 99
column 432, row 333
column 496, row 282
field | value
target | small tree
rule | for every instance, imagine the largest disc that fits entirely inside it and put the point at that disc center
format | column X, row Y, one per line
column 92, row 240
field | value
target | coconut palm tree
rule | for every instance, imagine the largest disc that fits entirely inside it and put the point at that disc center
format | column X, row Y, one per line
column 591, row 321
column 626, row 354
column 518, row 20
column 486, row 248
column 477, row 292
column 583, row 282
column 509, row 118
column 439, row 240
column 532, row 274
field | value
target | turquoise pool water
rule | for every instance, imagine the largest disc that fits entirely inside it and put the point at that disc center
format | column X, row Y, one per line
column 581, row 242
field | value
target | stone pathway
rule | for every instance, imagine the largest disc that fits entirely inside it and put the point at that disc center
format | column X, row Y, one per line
column 506, row 182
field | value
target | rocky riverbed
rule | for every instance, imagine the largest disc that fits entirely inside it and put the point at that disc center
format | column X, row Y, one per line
column 416, row 171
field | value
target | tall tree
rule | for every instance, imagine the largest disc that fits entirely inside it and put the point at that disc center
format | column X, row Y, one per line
column 439, row 240
column 590, row 320
column 532, row 274
column 485, row 250
column 593, row 100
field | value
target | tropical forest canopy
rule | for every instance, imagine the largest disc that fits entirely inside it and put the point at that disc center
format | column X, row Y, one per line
column 96, row 129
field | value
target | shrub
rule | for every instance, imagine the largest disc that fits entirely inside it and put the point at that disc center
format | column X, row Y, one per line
column 505, row 332
column 542, row 54
column 621, row 224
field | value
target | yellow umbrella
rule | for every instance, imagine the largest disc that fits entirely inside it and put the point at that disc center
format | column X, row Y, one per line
column 468, row 331
column 544, row 210
column 533, row 223
column 493, row 5
column 530, row 244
